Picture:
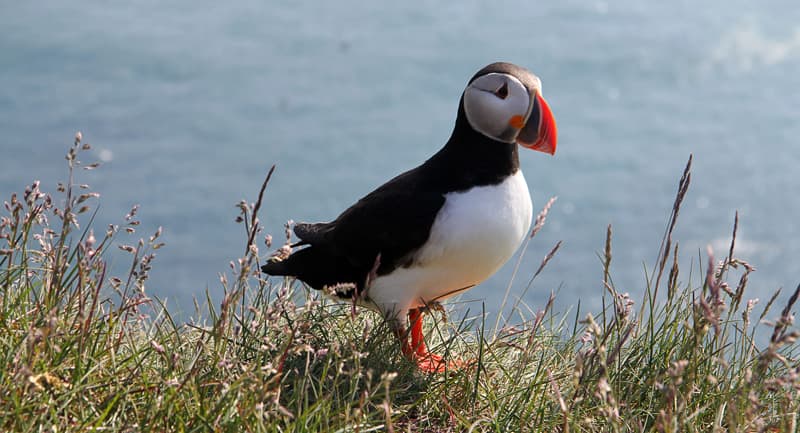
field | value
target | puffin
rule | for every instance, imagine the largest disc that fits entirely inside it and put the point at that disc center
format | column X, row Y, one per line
column 441, row 228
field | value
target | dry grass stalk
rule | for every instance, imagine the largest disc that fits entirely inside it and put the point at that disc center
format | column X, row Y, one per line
column 84, row 349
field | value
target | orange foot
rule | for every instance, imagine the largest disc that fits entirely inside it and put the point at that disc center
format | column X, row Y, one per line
column 418, row 352
column 433, row 363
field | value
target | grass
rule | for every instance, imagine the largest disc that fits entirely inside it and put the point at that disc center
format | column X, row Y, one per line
column 81, row 350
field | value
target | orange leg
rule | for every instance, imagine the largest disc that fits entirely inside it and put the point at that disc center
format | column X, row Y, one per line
column 426, row 361
column 416, row 350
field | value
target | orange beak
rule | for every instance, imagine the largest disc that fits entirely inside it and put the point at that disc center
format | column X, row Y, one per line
column 540, row 133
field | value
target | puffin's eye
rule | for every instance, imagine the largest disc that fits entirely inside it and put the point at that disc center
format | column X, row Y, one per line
column 502, row 92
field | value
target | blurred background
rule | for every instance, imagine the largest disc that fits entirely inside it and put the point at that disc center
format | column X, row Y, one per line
column 189, row 103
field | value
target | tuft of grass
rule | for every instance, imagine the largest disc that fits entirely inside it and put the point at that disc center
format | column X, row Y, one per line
column 83, row 350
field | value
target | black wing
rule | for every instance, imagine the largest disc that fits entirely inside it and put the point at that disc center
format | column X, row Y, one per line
column 394, row 221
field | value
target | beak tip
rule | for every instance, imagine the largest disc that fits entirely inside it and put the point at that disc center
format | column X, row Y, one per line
column 548, row 131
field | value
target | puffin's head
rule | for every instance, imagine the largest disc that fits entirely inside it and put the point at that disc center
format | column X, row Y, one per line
column 504, row 102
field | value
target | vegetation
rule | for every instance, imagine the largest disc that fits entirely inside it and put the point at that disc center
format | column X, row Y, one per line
column 81, row 350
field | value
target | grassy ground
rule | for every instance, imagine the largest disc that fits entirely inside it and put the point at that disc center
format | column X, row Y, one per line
column 81, row 350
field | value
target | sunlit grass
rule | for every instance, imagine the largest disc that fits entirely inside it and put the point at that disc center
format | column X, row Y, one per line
column 84, row 350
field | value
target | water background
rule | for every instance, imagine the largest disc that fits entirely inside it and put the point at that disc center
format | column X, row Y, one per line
column 190, row 103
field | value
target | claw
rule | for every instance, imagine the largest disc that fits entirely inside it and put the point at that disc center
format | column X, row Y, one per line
column 431, row 363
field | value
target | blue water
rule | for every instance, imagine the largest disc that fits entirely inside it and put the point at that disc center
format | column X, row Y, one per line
column 190, row 103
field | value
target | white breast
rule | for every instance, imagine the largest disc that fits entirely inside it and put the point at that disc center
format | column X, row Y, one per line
column 474, row 234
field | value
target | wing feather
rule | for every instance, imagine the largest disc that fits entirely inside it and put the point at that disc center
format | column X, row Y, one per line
column 394, row 220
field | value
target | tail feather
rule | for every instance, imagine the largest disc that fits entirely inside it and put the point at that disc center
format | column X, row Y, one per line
column 316, row 268
column 293, row 265
column 275, row 267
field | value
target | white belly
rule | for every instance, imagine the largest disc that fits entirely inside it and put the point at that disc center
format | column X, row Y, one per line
column 473, row 235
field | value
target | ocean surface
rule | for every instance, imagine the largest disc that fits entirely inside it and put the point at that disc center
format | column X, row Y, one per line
column 188, row 104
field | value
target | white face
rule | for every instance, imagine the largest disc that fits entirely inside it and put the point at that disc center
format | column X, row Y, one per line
column 497, row 105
